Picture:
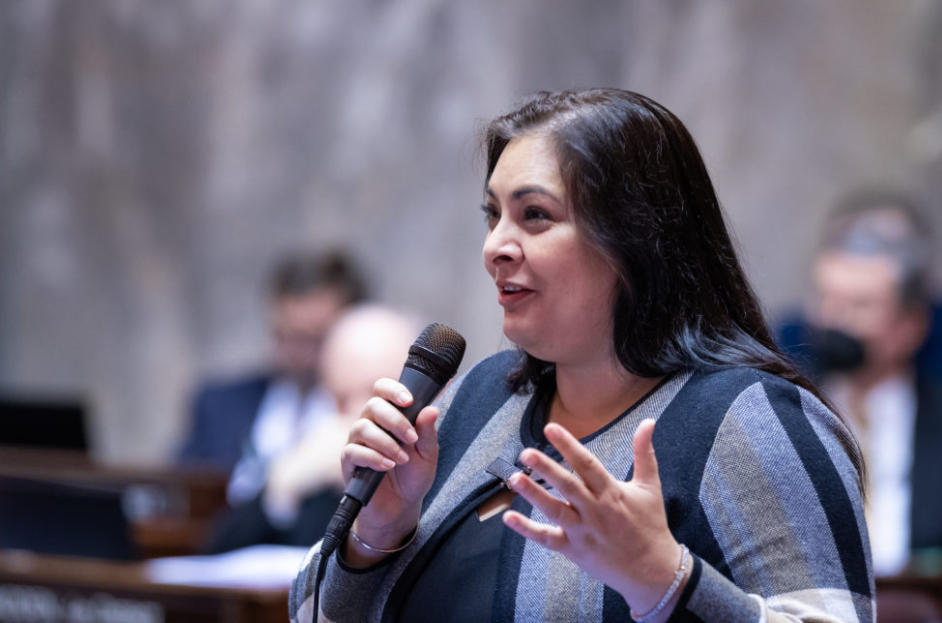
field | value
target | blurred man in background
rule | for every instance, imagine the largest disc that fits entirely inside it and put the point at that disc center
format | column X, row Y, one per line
column 870, row 315
column 240, row 426
column 304, row 483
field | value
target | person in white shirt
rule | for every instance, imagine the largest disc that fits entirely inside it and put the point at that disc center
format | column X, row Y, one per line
column 870, row 314
column 239, row 426
column 303, row 483
column 369, row 342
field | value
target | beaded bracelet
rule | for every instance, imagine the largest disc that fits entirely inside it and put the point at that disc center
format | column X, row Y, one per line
column 681, row 572
column 380, row 550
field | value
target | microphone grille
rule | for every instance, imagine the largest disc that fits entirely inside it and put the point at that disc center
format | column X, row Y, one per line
column 437, row 352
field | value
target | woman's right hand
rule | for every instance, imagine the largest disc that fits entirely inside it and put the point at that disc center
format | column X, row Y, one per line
column 393, row 511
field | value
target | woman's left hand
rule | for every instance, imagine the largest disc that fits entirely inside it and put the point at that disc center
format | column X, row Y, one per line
column 614, row 531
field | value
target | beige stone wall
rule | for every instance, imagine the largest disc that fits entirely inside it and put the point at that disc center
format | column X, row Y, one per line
column 156, row 156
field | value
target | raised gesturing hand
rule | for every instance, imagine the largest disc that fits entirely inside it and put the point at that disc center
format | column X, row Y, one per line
column 614, row 531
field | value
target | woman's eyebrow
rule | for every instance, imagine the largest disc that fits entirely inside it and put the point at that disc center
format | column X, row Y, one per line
column 523, row 191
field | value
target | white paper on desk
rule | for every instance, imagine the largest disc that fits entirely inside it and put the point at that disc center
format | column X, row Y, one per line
column 258, row 566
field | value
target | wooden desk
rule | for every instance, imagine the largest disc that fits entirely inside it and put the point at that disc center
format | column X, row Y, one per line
column 909, row 599
column 171, row 510
column 47, row 589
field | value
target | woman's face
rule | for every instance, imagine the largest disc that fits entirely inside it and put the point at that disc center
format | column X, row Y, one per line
column 557, row 291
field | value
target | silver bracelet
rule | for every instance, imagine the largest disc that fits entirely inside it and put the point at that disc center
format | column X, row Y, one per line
column 380, row 550
column 681, row 572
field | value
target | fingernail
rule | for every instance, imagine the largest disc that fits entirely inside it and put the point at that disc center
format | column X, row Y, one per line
column 389, row 463
column 402, row 457
column 404, row 397
column 412, row 436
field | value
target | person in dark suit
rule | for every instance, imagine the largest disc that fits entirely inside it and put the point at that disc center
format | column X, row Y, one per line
column 866, row 336
column 222, row 417
column 239, row 425
column 304, row 483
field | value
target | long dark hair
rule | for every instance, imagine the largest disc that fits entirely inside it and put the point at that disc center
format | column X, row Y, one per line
column 642, row 196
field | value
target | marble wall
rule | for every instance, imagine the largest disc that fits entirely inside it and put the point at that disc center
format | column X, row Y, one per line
column 156, row 157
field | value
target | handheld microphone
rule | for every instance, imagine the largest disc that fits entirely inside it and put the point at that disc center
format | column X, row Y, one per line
column 433, row 359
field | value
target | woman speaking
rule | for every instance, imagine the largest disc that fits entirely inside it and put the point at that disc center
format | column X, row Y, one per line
column 645, row 454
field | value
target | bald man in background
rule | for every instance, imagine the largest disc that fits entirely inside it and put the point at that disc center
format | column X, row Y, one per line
column 304, row 483
column 238, row 425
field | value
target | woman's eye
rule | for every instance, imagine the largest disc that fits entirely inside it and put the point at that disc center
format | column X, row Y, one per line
column 535, row 214
column 490, row 213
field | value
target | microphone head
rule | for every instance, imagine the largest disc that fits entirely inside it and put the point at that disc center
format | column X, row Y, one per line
column 437, row 352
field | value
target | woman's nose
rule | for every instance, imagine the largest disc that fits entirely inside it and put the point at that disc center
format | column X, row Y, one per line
column 501, row 245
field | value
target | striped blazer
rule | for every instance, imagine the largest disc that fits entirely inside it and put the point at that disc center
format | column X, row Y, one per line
column 755, row 483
